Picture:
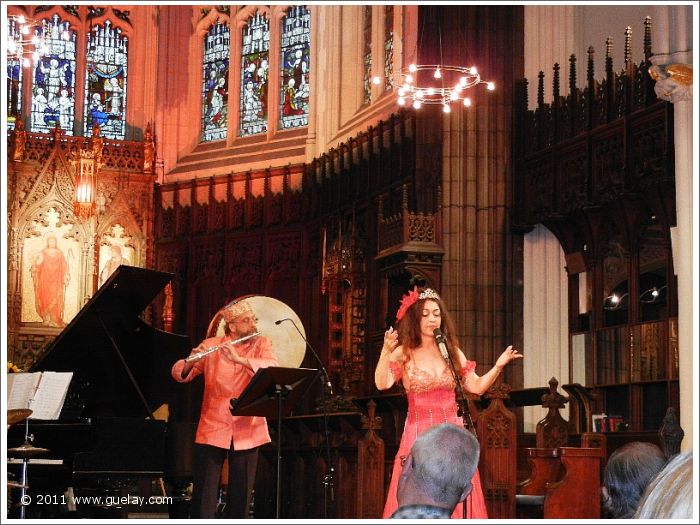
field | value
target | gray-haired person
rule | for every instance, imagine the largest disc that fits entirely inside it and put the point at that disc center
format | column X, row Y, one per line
column 669, row 496
column 437, row 473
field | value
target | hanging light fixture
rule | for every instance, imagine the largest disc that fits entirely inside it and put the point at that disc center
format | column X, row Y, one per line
column 437, row 84
column 25, row 42
column 442, row 85
column 85, row 184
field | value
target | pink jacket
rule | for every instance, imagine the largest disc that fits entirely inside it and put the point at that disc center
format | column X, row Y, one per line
column 224, row 380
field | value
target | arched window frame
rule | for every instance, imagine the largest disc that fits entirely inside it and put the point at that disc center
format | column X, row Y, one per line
column 202, row 29
column 243, row 22
column 389, row 42
column 237, row 21
column 381, row 91
column 122, row 94
column 81, row 22
column 304, row 80
column 72, row 25
column 14, row 92
column 367, row 28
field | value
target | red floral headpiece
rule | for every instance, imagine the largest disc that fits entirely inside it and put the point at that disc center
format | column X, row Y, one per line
column 412, row 298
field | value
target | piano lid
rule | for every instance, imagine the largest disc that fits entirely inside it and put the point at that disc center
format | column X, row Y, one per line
column 120, row 364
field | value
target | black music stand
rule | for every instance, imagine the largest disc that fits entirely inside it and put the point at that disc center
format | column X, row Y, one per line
column 273, row 392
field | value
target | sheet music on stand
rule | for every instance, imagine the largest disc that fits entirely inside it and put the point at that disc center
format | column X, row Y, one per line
column 42, row 392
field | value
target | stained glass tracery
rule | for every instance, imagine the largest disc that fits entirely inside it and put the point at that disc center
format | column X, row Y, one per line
column 14, row 80
column 106, row 81
column 255, row 59
column 215, row 69
column 295, row 45
column 388, row 45
column 367, row 54
column 53, row 90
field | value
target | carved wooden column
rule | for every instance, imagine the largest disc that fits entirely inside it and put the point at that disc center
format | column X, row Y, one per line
column 370, row 467
column 496, row 430
column 553, row 430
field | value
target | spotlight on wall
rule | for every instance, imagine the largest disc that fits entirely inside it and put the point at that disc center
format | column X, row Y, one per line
column 652, row 295
column 614, row 301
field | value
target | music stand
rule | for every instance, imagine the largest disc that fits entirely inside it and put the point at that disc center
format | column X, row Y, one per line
column 273, row 392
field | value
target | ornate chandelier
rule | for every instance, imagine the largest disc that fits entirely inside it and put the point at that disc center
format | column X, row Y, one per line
column 435, row 84
column 440, row 84
column 25, row 42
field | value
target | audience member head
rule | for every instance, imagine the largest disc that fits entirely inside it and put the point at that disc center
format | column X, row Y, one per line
column 670, row 494
column 439, row 469
column 627, row 474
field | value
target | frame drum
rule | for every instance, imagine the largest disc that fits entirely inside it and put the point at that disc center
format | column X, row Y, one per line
column 287, row 344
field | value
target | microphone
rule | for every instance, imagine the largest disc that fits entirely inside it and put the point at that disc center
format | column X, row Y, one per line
column 323, row 368
column 441, row 342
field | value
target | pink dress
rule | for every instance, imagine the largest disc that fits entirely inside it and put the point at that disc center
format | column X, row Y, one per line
column 431, row 401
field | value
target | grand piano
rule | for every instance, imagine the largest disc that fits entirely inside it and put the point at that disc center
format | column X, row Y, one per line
column 107, row 432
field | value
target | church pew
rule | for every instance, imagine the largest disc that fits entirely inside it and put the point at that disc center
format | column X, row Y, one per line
column 565, row 483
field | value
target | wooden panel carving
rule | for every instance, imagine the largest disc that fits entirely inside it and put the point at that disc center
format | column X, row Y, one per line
column 166, row 223
column 57, row 260
column 207, row 259
column 182, row 219
column 201, row 218
column 539, row 189
column 236, row 211
column 608, row 162
column 649, row 153
column 497, row 462
column 573, row 182
column 243, row 272
column 552, row 431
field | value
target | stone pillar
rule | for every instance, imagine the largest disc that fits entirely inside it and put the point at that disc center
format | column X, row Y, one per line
column 545, row 322
column 480, row 259
column 549, row 38
column 673, row 73
column 684, row 262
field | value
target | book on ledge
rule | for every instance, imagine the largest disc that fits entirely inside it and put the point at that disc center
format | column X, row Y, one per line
column 42, row 392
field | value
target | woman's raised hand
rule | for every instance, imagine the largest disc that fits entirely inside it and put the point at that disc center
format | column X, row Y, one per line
column 391, row 340
column 507, row 356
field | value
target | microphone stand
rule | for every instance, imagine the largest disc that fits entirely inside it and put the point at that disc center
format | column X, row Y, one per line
column 462, row 407
column 328, row 478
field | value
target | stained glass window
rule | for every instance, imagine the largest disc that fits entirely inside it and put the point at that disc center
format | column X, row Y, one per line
column 53, row 91
column 255, row 51
column 215, row 66
column 388, row 45
column 105, row 81
column 367, row 53
column 14, row 79
column 294, row 95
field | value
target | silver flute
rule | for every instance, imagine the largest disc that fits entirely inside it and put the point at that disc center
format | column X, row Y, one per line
column 200, row 355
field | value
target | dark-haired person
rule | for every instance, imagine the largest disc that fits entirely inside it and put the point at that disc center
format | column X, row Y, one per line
column 627, row 473
column 411, row 355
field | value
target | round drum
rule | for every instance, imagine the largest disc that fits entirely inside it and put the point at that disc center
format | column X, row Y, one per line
column 287, row 343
